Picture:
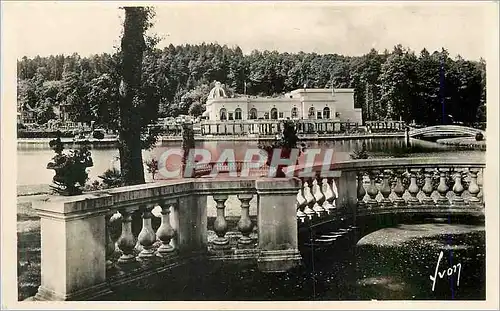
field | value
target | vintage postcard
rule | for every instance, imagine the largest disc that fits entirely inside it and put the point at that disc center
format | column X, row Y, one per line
column 278, row 155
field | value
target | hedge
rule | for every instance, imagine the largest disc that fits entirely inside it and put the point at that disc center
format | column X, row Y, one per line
column 42, row 134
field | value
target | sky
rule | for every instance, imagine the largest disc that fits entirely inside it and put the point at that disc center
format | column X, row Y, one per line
column 323, row 27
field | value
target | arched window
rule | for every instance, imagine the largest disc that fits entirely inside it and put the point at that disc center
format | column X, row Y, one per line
column 237, row 114
column 326, row 113
column 223, row 114
column 253, row 114
column 274, row 114
column 312, row 113
column 295, row 113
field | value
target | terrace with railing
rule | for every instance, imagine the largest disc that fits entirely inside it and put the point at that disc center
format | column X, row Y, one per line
column 95, row 243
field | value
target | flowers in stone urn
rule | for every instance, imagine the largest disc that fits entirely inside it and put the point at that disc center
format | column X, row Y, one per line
column 70, row 168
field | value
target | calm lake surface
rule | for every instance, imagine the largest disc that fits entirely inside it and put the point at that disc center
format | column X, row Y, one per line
column 32, row 161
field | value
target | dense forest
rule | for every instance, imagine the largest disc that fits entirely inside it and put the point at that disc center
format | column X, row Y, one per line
column 399, row 84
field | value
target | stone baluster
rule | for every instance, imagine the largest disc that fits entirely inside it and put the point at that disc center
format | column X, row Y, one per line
column 473, row 187
column 329, row 196
column 245, row 224
column 165, row 232
column 301, row 204
column 110, row 245
column 399, row 189
column 147, row 236
column 458, row 189
column 335, row 190
column 309, row 201
column 372, row 190
column 174, row 221
column 319, row 197
column 442, row 189
column 413, row 189
column 385, row 190
column 361, row 192
column 220, row 224
column 126, row 242
column 428, row 189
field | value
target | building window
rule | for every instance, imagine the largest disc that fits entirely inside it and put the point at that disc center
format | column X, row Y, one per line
column 311, row 113
column 318, row 115
column 266, row 115
column 237, row 114
column 274, row 114
column 326, row 113
column 253, row 114
column 295, row 113
column 230, row 116
column 281, row 115
column 223, row 114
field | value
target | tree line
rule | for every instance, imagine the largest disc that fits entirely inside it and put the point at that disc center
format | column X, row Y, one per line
column 428, row 88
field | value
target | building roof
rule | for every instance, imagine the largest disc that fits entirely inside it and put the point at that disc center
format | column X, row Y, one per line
column 217, row 92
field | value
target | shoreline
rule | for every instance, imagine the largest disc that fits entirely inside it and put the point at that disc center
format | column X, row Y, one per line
column 112, row 142
column 469, row 142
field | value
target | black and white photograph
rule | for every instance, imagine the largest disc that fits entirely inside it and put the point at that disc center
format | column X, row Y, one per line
column 237, row 152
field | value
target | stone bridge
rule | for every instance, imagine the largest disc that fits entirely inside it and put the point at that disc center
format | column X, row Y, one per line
column 95, row 243
column 443, row 131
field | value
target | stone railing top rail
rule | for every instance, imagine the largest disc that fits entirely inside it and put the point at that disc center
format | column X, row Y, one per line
column 380, row 164
column 166, row 191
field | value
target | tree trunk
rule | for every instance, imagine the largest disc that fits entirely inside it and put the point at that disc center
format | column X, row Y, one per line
column 133, row 46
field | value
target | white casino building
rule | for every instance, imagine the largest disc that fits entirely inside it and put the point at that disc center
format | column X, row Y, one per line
column 306, row 104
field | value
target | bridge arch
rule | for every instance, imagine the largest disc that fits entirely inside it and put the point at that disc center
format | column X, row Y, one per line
column 445, row 130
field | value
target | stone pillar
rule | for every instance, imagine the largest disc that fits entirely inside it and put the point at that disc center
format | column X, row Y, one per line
column 189, row 220
column 277, row 224
column 348, row 189
column 73, row 247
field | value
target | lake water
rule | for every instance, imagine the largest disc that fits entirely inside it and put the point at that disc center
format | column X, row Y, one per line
column 32, row 162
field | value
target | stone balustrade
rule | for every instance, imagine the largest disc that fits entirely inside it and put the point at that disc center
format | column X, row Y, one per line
column 271, row 127
column 253, row 168
column 93, row 242
column 385, row 126
column 449, row 185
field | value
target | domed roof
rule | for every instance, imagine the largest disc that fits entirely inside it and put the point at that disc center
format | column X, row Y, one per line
column 217, row 91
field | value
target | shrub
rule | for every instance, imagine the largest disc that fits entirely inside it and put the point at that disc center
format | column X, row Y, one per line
column 286, row 140
column 152, row 166
column 21, row 133
column 479, row 136
column 112, row 178
column 98, row 134
column 358, row 154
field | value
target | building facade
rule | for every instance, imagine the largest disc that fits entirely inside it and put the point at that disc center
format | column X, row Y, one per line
column 305, row 104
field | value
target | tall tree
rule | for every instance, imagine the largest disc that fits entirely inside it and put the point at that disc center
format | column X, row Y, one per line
column 133, row 44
